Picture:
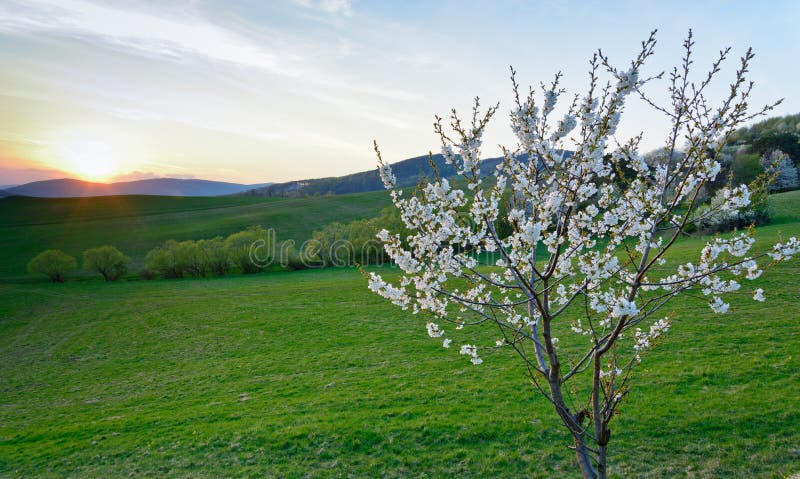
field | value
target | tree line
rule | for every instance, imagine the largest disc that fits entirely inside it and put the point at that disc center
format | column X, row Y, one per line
column 256, row 249
column 253, row 250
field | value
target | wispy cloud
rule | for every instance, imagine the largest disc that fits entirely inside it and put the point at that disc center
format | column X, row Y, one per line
column 343, row 7
column 188, row 36
column 357, row 108
column 165, row 36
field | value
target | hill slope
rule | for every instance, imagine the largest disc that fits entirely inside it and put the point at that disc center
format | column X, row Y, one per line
column 68, row 188
column 754, row 140
column 136, row 224
column 408, row 172
column 308, row 374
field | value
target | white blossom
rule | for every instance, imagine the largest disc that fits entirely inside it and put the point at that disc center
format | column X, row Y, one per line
column 581, row 233
column 719, row 306
column 623, row 307
column 433, row 330
column 759, row 295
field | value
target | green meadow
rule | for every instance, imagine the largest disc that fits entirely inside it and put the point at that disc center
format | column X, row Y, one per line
column 136, row 224
column 308, row 374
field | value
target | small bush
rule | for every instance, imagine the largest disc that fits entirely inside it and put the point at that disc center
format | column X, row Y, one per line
column 189, row 259
column 106, row 260
column 294, row 259
column 53, row 263
column 164, row 261
column 331, row 245
column 251, row 249
column 214, row 256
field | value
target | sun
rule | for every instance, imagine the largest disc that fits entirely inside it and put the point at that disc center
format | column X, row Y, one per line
column 89, row 158
column 91, row 152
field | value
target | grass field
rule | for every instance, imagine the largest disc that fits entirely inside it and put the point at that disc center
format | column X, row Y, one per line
column 308, row 374
column 136, row 224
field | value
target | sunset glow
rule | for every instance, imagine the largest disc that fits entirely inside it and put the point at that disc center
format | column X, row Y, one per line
column 89, row 159
column 94, row 152
column 287, row 90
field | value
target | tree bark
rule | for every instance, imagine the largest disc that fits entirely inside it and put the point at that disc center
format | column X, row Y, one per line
column 573, row 424
column 584, row 459
column 602, row 471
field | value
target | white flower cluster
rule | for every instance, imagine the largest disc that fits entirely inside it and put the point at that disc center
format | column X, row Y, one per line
column 580, row 230
column 471, row 351
column 397, row 296
column 434, row 331
column 624, row 308
column 644, row 339
column 719, row 306
column 758, row 295
column 784, row 251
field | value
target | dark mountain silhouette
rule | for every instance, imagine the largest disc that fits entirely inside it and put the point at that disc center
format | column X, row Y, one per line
column 408, row 173
column 157, row 186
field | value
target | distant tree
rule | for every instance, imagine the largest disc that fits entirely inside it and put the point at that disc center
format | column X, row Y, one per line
column 293, row 258
column 786, row 141
column 189, row 259
column 344, row 244
column 779, row 165
column 53, row 263
column 745, row 168
column 106, row 260
column 331, row 245
column 251, row 249
column 366, row 248
column 164, row 260
column 582, row 317
column 215, row 258
column 749, row 134
column 390, row 219
column 502, row 225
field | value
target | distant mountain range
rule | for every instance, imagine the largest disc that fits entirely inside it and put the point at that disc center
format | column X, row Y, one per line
column 408, row 172
column 157, row 186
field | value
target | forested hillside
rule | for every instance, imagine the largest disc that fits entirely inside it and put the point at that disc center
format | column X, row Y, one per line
column 747, row 154
column 409, row 173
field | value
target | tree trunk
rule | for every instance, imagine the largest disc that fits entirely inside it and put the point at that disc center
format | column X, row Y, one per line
column 584, row 459
column 574, row 425
column 602, row 471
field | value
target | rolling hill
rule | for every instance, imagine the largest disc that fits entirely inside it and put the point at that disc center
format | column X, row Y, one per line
column 741, row 160
column 408, row 172
column 136, row 224
column 69, row 188
column 309, row 374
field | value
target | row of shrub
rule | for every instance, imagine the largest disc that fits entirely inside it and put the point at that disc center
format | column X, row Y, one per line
column 249, row 251
column 108, row 261
column 346, row 244
column 337, row 244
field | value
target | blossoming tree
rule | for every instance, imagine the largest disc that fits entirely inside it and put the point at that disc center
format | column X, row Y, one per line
column 592, row 226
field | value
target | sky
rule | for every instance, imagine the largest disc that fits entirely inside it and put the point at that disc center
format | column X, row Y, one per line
column 254, row 91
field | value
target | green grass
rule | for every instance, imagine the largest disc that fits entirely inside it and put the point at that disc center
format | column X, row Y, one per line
column 308, row 374
column 136, row 224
